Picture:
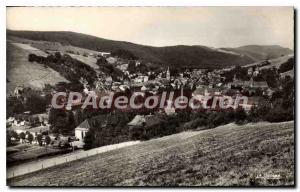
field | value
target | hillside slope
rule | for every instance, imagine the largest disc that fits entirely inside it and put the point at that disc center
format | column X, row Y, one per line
column 261, row 52
column 273, row 62
column 21, row 72
column 227, row 155
column 173, row 56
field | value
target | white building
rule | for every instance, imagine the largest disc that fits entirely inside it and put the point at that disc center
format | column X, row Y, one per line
column 104, row 54
column 81, row 130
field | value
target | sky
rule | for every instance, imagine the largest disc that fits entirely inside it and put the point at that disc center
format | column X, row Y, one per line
column 165, row 26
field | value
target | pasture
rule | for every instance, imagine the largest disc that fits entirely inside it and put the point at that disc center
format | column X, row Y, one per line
column 259, row 154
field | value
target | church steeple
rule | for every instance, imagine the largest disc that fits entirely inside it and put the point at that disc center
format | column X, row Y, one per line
column 168, row 76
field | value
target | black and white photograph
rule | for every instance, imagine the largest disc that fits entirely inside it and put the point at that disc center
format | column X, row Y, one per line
column 155, row 96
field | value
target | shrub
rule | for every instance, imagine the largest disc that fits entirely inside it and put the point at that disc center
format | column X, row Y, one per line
column 22, row 135
column 39, row 138
column 253, row 114
column 30, row 138
column 47, row 140
column 35, row 103
column 279, row 114
column 240, row 115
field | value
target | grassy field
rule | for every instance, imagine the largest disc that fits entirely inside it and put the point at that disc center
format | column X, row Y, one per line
column 21, row 72
column 273, row 62
column 253, row 154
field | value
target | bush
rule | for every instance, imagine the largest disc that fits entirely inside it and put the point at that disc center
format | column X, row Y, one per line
column 39, row 138
column 35, row 58
column 47, row 140
column 194, row 124
column 35, row 103
column 88, row 140
column 30, row 138
column 279, row 114
column 8, row 138
column 240, row 115
column 253, row 114
column 14, row 106
column 15, row 135
column 22, row 135
column 101, row 61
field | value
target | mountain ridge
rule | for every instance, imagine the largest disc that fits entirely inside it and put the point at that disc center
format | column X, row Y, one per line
column 187, row 56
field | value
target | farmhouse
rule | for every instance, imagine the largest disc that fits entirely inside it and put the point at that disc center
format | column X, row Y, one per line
column 82, row 129
column 137, row 121
column 105, row 54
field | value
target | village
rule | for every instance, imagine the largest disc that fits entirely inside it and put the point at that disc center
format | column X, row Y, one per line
column 36, row 132
column 158, row 96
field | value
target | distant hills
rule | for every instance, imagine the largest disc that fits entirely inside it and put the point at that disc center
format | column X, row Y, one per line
column 172, row 56
column 259, row 52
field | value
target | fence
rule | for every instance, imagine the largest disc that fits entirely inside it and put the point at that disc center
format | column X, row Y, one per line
column 46, row 163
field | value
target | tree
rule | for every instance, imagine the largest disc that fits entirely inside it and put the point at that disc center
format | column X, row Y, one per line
column 35, row 103
column 60, row 126
column 253, row 114
column 70, row 121
column 15, row 135
column 89, row 139
column 101, row 61
column 30, row 138
column 39, row 138
column 61, row 122
column 131, row 66
column 263, row 108
column 22, row 136
column 13, row 106
column 47, row 140
column 287, row 66
column 8, row 138
column 240, row 115
column 78, row 117
column 122, row 53
column 270, row 76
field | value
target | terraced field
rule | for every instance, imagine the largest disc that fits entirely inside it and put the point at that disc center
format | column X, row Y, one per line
column 254, row 154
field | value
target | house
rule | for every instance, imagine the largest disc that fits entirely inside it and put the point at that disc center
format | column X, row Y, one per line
column 137, row 121
column 169, row 109
column 250, row 71
column 104, row 54
column 19, row 90
column 82, row 129
column 255, row 73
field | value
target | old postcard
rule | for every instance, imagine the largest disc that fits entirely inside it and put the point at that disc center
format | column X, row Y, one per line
column 150, row 96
